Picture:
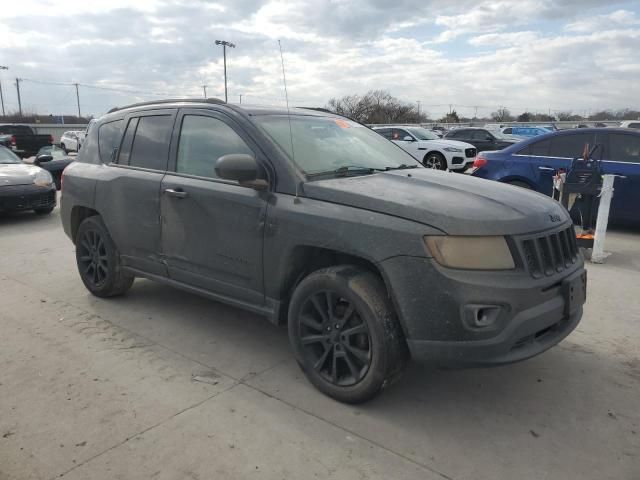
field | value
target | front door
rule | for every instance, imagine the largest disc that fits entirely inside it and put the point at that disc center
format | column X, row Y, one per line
column 212, row 229
column 483, row 140
column 407, row 142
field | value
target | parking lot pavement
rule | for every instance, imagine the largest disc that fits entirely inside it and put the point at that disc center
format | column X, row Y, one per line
column 163, row 384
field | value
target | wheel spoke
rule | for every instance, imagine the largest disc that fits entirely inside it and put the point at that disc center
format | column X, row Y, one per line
column 95, row 276
column 360, row 355
column 323, row 358
column 330, row 303
column 334, row 367
column 85, row 243
column 87, row 268
column 362, row 328
column 103, row 271
column 310, row 322
column 85, row 258
column 347, row 315
column 313, row 339
column 352, row 368
column 316, row 303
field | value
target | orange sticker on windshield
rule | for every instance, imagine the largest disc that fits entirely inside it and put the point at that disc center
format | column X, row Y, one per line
column 342, row 124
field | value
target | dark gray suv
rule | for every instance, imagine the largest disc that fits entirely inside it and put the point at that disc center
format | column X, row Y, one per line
column 320, row 223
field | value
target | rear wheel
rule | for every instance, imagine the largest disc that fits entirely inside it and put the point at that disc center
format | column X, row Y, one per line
column 520, row 184
column 344, row 333
column 98, row 260
column 435, row 160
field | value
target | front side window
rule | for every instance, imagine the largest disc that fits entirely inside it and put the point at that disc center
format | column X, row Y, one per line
column 325, row 144
column 570, row 146
column 109, row 140
column 400, row 134
column 624, row 148
column 481, row 135
column 423, row 134
column 202, row 141
column 150, row 147
column 385, row 132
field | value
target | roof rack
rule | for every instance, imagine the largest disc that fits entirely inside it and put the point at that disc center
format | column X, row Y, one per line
column 216, row 101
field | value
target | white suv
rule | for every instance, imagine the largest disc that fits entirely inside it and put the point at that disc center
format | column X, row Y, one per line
column 630, row 124
column 72, row 140
column 429, row 149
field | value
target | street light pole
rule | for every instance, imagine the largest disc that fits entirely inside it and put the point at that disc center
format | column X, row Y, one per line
column 225, row 44
column 2, row 67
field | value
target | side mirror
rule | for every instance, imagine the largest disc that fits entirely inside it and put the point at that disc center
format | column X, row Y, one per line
column 408, row 138
column 241, row 168
column 43, row 158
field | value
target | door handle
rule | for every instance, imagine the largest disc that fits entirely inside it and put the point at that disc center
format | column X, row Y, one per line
column 547, row 169
column 175, row 192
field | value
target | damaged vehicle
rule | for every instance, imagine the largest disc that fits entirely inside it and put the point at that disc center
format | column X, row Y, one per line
column 319, row 223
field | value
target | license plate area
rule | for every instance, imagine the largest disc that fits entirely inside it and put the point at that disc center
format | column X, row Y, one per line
column 575, row 292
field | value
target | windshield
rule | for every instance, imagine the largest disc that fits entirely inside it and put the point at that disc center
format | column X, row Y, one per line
column 325, row 144
column 423, row 134
column 7, row 156
column 56, row 152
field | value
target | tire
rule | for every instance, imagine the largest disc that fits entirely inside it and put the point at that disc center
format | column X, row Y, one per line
column 43, row 211
column 520, row 184
column 435, row 160
column 98, row 260
column 344, row 333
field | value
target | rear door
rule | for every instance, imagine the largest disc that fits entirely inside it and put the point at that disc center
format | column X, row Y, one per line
column 212, row 229
column 130, row 200
column 483, row 140
column 622, row 157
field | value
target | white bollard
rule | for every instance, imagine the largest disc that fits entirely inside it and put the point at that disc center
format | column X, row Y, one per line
column 598, row 254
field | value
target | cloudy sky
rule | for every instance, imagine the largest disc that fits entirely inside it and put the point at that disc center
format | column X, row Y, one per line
column 577, row 55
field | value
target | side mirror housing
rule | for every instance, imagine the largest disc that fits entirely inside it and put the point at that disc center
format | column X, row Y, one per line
column 242, row 168
column 43, row 158
column 408, row 138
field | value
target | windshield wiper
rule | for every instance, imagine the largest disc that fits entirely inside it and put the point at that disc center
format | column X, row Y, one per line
column 400, row 167
column 346, row 170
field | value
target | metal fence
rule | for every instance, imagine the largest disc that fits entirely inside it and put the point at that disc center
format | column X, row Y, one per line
column 559, row 125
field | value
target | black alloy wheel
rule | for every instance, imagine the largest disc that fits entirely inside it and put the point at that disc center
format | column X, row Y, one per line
column 335, row 339
column 93, row 260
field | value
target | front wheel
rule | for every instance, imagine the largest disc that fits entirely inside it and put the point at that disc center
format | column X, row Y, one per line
column 435, row 160
column 98, row 260
column 344, row 333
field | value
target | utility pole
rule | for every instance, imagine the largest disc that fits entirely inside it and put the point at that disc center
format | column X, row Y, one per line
column 1, row 95
column 78, row 100
column 418, row 102
column 19, row 101
column 225, row 44
column 240, row 99
column 475, row 115
column 204, row 89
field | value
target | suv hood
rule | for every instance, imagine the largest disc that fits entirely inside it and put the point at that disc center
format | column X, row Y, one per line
column 17, row 174
column 443, row 142
column 455, row 203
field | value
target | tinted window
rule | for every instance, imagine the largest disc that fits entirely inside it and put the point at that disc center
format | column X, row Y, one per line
column 624, row 148
column 151, row 143
column 508, row 130
column 127, row 142
column 400, row 134
column 109, row 140
column 16, row 130
column 481, row 135
column 634, row 125
column 570, row 146
column 539, row 149
column 202, row 141
column 458, row 134
column 385, row 132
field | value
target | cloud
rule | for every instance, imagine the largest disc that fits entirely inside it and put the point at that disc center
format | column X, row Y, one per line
column 534, row 54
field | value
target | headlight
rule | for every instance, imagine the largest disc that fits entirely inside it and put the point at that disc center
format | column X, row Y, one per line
column 471, row 253
column 452, row 149
column 43, row 178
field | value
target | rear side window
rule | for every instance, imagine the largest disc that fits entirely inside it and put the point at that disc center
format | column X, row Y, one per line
column 109, row 140
column 150, row 147
column 202, row 141
column 624, row 148
column 539, row 149
column 570, row 146
column 385, row 132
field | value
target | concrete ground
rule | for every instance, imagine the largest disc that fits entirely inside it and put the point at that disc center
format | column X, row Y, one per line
column 161, row 384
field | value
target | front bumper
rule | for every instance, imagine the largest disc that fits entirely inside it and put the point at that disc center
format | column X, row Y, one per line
column 26, row 197
column 437, row 308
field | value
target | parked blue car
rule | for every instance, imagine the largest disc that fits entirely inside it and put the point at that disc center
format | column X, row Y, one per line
column 525, row 131
column 534, row 162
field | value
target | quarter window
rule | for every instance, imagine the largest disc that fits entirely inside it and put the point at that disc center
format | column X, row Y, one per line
column 109, row 140
column 150, row 147
column 624, row 148
column 202, row 141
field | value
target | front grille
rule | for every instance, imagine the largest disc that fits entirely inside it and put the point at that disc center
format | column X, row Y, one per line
column 470, row 152
column 550, row 253
column 28, row 201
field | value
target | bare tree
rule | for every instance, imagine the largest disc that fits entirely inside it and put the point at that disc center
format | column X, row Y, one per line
column 376, row 106
column 502, row 115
